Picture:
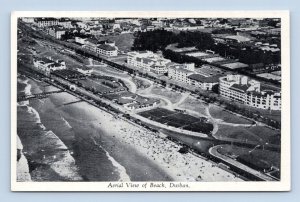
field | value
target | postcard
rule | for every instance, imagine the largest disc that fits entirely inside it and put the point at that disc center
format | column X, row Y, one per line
column 150, row 101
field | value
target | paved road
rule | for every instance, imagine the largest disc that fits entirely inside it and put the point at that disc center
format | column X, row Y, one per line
column 131, row 85
column 214, row 152
column 123, row 110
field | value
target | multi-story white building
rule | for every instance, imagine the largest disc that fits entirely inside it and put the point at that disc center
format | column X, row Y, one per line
column 46, row 65
column 107, row 50
column 91, row 44
column 148, row 61
column 203, row 82
column 56, row 31
column 249, row 92
column 80, row 40
column 46, row 22
column 181, row 72
column 187, row 74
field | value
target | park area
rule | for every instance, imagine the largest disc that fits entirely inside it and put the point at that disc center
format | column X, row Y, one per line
column 256, row 134
column 141, row 84
column 178, row 120
column 195, row 105
column 173, row 96
column 259, row 159
column 123, row 41
column 101, row 84
column 219, row 113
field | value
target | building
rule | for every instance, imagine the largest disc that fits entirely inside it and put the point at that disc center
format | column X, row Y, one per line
column 46, row 22
column 239, row 38
column 46, row 65
column 87, row 71
column 65, row 22
column 187, row 74
column 28, row 20
column 96, row 30
column 202, row 82
column 249, row 92
column 135, row 102
column 80, row 40
column 107, row 50
column 91, row 44
column 181, row 72
column 56, row 31
column 148, row 61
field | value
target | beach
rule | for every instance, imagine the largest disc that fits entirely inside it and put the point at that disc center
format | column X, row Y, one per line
column 94, row 145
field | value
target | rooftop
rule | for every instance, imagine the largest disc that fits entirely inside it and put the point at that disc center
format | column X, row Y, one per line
column 45, row 60
column 45, row 19
column 200, row 78
column 238, row 38
column 57, row 28
column 180, row 68
column 106, row 47
column 92, row 40
column 240, row 88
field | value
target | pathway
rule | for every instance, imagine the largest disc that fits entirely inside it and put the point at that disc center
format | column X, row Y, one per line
column 131, row 85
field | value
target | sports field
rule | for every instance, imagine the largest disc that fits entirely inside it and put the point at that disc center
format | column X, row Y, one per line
column 178, row 120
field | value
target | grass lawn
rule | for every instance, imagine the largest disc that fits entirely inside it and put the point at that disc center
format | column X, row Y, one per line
column 194, row 105
column 254, row 133
column 178, row 120
column 172, row 96
column 112, row 71
column 101, row 85
column 220, row 113
column 123, row 41
column 96, row 85
column 258, row 159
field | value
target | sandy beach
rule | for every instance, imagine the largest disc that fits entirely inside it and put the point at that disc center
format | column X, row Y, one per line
column 22, row 164
column 108, row 148
column 164, row 153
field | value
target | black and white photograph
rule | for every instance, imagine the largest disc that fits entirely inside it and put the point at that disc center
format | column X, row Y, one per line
column 153, row 101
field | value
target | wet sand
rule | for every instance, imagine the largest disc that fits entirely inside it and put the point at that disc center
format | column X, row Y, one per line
column 107, row 148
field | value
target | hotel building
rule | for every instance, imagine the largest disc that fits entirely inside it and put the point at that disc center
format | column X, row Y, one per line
column 148, row 61
column 108, row 49
column 249, row 92
column 46, row 65
column 181, row 72
column 186, row 73
column 46, row 22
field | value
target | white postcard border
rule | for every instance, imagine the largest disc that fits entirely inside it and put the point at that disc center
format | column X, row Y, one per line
column 283, row 185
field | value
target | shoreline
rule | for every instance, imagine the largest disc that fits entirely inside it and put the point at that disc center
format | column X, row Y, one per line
column 47, row 156
column 162, row 153
column 23, row 174
column 134, row 135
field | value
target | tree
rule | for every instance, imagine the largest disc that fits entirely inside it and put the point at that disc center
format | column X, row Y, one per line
column 215, row 89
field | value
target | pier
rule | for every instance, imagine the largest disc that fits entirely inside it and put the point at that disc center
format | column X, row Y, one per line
column 37, row 95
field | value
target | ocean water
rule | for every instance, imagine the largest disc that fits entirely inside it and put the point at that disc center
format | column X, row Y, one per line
column 54, row 149
column 66, row 142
